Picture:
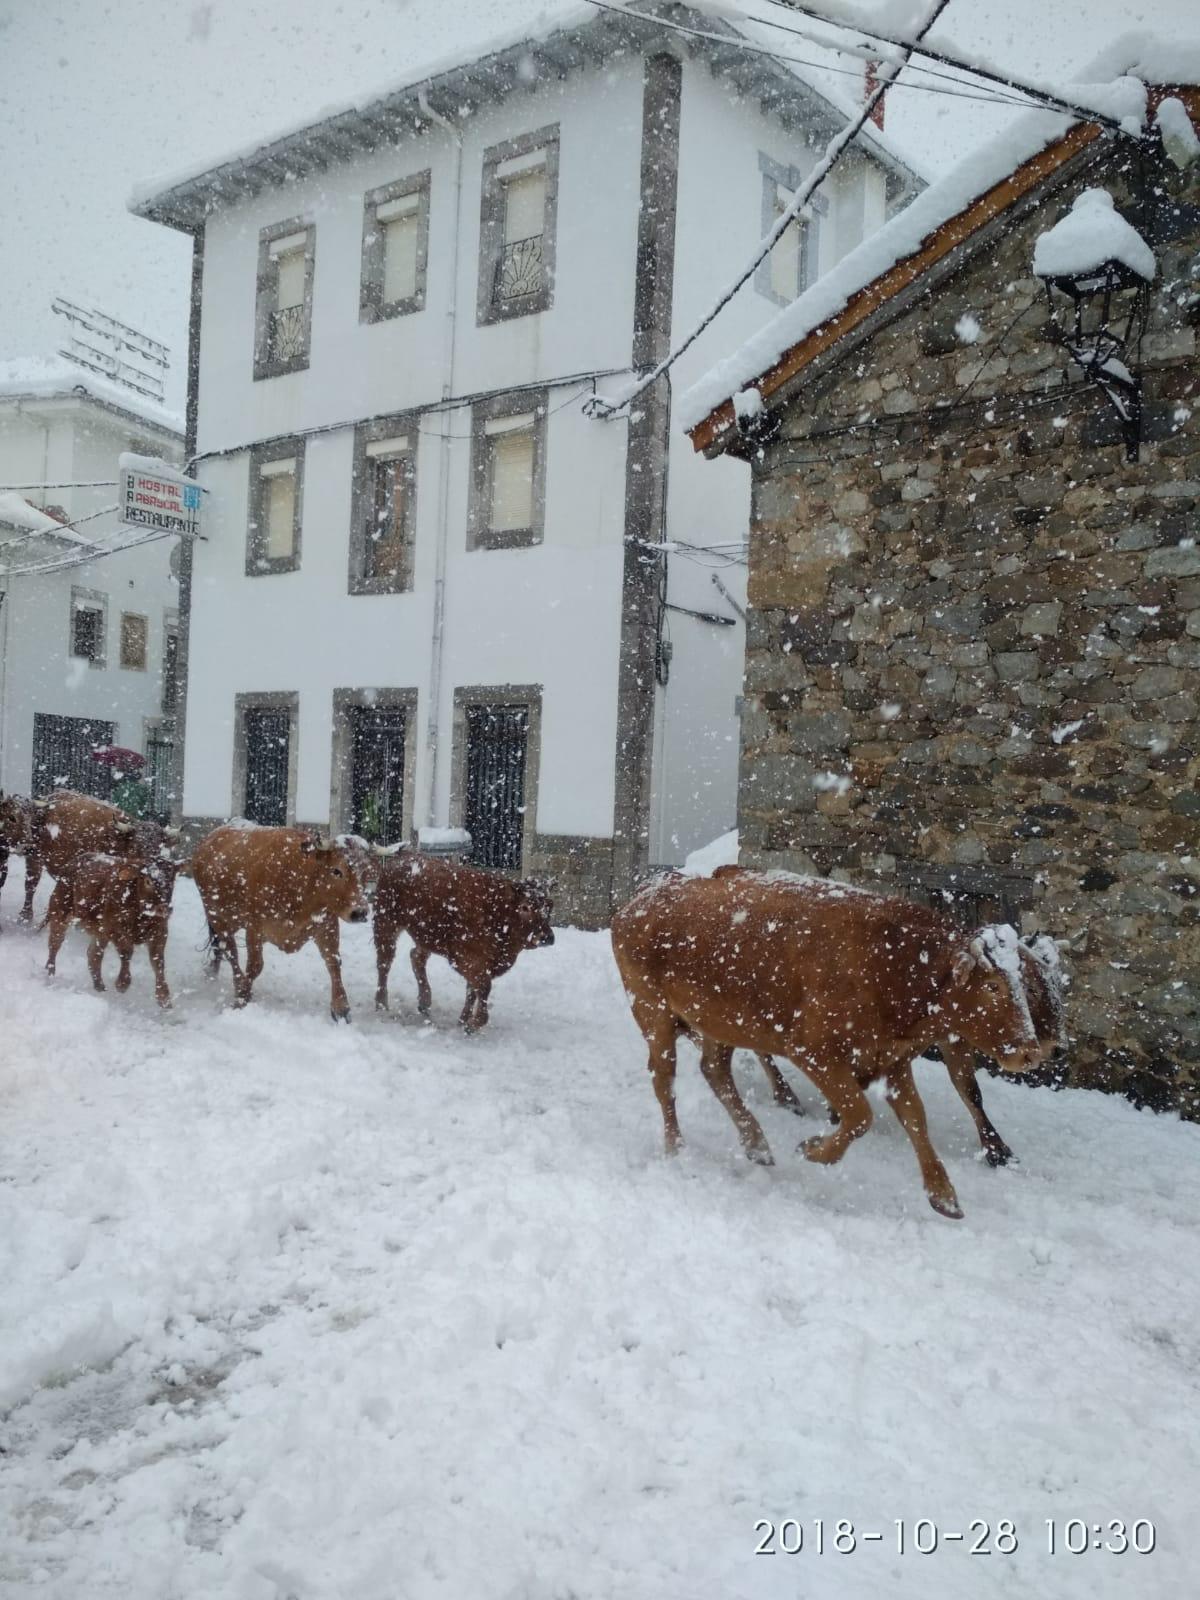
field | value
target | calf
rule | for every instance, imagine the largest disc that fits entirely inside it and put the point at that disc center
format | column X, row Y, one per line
column 282, row 886
column 116, row 900
column 848, row 985
column 478, row 920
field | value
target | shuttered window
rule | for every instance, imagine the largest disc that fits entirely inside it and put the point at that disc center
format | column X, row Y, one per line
column 400, row 222
column 525, row 204
column 280, row 498
column 135, row 632
column 511, row 476
column 283, row 314
column 275, row 496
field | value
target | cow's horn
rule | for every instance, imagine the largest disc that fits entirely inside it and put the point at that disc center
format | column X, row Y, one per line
column 40, row 805
column 170, row 834
column 124, row 827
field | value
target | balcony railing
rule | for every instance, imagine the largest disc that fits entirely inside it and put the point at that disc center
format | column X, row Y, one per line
column 520, row 270
column 288, row 338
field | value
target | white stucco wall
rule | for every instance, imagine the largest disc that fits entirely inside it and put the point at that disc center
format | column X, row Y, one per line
column 718, row 227
column 62, row 441
column 548, row 615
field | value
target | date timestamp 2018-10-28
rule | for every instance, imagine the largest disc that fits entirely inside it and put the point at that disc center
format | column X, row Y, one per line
column 922, row 1536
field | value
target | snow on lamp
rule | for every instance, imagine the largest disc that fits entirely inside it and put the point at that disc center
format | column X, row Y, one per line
column 1096, row 266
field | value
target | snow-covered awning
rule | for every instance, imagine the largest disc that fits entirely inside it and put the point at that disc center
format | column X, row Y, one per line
column 1092, row 235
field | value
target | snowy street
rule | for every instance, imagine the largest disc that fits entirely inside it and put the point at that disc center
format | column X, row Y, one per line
column 292, row 1310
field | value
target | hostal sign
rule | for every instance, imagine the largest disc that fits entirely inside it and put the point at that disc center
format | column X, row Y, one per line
column 157, row 499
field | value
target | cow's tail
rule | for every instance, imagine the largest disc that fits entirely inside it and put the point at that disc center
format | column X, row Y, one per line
column 211, row 947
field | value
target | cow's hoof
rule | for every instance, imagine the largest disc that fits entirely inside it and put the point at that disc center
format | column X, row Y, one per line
column 999, row 1158
column 946, row 1205
column 381, row 1005
column 761, row 1157
column 824, row 1150
column 340, row 1016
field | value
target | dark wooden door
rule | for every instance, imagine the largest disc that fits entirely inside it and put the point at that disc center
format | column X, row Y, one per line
column 377, row 774
column 62, row 755
column 268, row 738
column 497, row 742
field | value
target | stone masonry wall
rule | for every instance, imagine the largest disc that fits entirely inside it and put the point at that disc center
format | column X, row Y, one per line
column 973, row 663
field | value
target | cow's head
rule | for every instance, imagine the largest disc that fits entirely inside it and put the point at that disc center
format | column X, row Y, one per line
column 1000, row 999
column 333, row 883
column 532, row 915
column 14, row 821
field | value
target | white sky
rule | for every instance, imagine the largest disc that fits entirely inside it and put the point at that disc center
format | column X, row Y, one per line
column 102, row 94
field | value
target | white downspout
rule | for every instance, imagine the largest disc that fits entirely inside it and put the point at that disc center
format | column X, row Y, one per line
column 437, row 642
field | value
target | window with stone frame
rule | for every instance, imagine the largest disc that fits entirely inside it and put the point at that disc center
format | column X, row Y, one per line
column 519, row 211
column 508, row 471
column 395, row 249
column 135, row 640
column 89, row 612
column 791, row 267
column 276, row 492
column 383, row 513
column 283, row 313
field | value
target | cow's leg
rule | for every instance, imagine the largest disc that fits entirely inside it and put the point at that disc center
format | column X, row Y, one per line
column 95, row 959
column 124, row 976
column 33, row 875
column 475, row 1011
column 156, row 949
column 58, row 917
column 837, row 1082
column 227, row 946
column 961, row 1067
column 660, row 1030
column 782, row 1091
column 326, row 936
column 420, row 962
column 906, row 1103
column 716, row 1063
column 254, row 958
column 385, row 954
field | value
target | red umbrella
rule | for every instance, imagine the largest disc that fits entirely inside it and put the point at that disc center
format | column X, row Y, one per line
column 116, row 755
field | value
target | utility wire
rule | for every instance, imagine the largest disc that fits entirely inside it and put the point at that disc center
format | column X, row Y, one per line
column 84, row 559
column 888, row 72
column 1046, row 97
column 59, row 528
column 738, row 41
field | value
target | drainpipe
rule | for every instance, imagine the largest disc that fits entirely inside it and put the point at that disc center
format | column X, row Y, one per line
column 437, row 642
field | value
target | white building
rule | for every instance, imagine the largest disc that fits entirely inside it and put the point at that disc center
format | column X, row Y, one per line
column 433, row 590
column 87, row 638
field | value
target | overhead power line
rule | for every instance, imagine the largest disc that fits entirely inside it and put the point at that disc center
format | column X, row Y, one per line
column 1046, row 97
column 888, row 72
column 747, row 47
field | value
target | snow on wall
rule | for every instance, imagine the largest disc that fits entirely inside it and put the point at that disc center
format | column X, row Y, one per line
column 547, row 616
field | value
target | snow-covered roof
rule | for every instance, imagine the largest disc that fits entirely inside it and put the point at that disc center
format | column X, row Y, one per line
column 859, row 277
column 1092, row 233
column 54, row 378
column 566, row 34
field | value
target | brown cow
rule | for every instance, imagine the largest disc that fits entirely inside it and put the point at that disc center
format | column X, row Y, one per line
column 847, row 984
column 283, row 886
column 66, row 825
column 1045, row 1007
column 479, row 921
column 117, row 899
column 16, row 824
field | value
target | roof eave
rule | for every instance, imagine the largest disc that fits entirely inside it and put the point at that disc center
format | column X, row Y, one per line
column 187, row 206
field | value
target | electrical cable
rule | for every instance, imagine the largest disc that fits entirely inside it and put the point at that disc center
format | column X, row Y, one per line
column 606, row 410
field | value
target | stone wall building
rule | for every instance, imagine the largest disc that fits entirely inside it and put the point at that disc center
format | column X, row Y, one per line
column 974, row 651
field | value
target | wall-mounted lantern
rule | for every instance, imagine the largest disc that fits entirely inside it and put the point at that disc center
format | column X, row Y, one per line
column 1096, row 267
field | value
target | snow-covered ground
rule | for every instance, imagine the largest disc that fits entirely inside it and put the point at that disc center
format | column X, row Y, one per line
column 385, row 1313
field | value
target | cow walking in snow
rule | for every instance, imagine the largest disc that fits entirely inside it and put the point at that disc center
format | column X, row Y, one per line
column 479, row 921
column 847, row 984
column 120, row 900
column 66, row 825
column 281, row 886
